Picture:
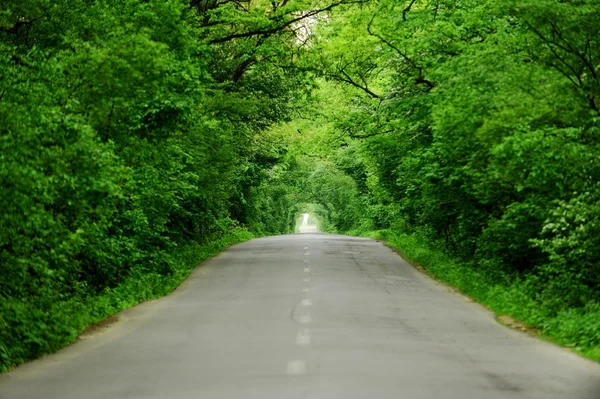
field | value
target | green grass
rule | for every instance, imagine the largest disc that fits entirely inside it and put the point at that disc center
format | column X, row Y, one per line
column 27, row 332
column 576, row 328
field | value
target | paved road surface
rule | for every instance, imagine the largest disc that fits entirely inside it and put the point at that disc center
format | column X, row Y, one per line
column 306, row 316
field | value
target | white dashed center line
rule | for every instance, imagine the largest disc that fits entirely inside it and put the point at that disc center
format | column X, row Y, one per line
column 296, row 367
column 303, row 337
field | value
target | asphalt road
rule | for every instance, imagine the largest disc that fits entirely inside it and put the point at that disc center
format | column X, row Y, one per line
column 306, row 316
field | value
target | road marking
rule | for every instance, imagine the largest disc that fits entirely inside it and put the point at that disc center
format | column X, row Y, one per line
column 303, row 337
column 306, row 280
column 305, row 248
column 305, row 319
column 306, row 302
column 305, row 289
column 296, row 367
column 307, row 269
column 307, row 254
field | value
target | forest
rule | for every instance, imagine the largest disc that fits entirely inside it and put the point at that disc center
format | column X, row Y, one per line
column 140, row 137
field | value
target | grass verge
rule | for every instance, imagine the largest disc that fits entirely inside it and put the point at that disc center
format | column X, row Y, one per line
column 576, row 328
column 28, row 332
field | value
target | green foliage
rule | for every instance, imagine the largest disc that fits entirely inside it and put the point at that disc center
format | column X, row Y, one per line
column 131, row 131
column 472, row 126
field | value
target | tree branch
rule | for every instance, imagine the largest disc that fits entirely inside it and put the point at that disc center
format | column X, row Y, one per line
column 573, row 50
column 367, row 135
column 565, row 46
column 407, row 9
column 282, row 26
column 19, row 24
column 420, row 79
column 241, row 68
column 350, row 81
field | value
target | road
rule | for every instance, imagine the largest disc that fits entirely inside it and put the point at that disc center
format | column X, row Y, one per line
column 306, row 316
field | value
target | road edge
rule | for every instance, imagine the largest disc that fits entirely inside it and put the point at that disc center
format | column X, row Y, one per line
column 504, row 320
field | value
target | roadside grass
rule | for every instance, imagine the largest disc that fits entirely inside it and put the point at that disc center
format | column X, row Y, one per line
column 28, row 332
column 575, row 328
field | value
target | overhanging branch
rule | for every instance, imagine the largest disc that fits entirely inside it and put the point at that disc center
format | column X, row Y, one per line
column 282, row 26
column 367, row 135
column 420, row 78
column 407, row 9
column 19, row 24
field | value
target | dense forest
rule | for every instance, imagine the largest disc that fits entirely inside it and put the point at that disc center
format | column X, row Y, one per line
column 139, row 137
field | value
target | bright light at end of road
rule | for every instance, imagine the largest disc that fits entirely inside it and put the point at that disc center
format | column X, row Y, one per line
column 308, row 224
